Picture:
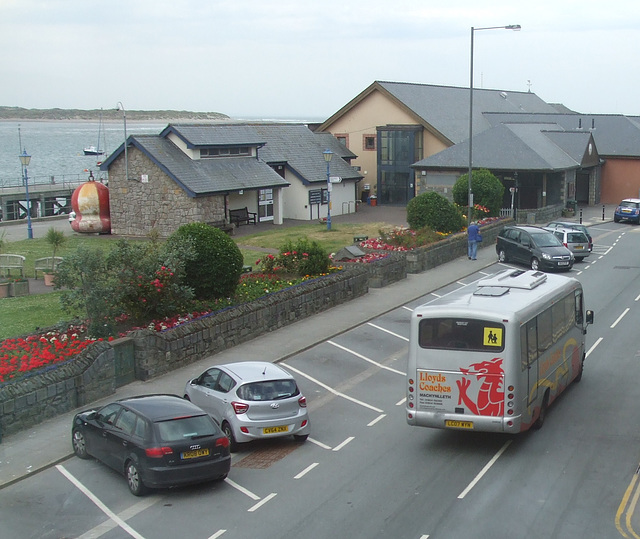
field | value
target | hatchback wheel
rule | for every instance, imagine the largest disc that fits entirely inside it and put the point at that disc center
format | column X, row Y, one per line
column 136, row 486
column 535, row 264
column 79, row 444
column 502, row 256
column 300, row 437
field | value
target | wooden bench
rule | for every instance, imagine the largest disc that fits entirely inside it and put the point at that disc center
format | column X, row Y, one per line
column 46, row 264
column 227, row 228
column 242, row 216
column 11, row 262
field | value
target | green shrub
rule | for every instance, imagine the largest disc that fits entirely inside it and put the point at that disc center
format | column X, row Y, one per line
column 213, row 262
column 302, row 257
column 434, row 211
column 487, row 193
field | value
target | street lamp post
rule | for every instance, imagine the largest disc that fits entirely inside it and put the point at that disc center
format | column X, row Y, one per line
column 328, row 154
column 25, row 159
column 126, row 158
column 508, row 27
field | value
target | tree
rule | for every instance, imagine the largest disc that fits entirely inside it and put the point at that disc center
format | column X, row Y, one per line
column 487, row 192
column 432, row 210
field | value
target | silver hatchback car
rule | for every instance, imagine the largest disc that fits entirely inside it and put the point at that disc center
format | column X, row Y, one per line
column 251, row 400
column 575, row 240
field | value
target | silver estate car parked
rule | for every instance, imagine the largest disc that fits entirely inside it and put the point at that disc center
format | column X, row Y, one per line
column 574, row 240
column 251, row 400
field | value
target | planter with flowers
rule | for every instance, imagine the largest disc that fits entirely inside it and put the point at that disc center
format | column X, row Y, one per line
column 4, row 288
column 18, row 287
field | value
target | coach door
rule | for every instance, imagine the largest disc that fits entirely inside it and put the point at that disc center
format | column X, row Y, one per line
column 530, row 359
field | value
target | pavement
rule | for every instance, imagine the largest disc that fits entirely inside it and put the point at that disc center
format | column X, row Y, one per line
column 49, row 443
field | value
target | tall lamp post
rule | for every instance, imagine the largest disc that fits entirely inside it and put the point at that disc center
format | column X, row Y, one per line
column 328, row 154
column 515, row 27
column 126, row 158
column 25, row 159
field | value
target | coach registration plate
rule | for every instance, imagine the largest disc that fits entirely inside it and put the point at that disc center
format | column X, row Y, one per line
column 455, row 424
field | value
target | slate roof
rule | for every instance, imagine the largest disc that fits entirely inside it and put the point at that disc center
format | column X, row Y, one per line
column 520, row 146
column 204, row 177
column 279, row 143
column 614, row 134
column 444, row 110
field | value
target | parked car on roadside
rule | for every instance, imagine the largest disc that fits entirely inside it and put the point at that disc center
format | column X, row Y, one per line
column 574, row 240
column 575, row 226
column 154, row 440
column 534, row 247
column 628, row 210
column 251, row 400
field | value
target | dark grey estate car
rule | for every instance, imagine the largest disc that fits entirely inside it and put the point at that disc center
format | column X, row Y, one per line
column 534, row 247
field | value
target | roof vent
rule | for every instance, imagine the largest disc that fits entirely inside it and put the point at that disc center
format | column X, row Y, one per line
column 527, row 280
column 503, row 95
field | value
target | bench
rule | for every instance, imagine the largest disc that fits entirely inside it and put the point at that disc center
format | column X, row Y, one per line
column 46, row 264
column 242, row 216
column 358, row 239
column 11, row 262
column 222, row 225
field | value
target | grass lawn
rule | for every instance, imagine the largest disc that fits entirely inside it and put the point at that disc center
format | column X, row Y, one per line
column 22, row 315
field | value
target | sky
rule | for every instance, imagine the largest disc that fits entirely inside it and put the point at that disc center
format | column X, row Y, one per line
column 306, row 59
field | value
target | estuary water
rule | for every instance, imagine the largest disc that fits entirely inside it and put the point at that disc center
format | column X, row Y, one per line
column 56, row 147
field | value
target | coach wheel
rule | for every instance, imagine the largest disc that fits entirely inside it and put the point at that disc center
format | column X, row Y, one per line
column 543, row 412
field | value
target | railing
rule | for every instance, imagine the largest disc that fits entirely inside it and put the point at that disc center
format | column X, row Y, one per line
column 63, row 180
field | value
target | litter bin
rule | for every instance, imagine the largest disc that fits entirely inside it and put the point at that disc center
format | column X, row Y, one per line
column 572, row 205
column 373, row 200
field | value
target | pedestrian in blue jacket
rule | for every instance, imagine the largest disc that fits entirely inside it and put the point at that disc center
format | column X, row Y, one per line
column 473, row 238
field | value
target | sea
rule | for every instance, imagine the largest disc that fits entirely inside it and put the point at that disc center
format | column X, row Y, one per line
column 57, row 147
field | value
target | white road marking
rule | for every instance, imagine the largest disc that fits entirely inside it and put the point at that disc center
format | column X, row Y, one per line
column 320, row 444
column 619, row 318
column 593, row 347
column 637, row 298
column 262, row 502
column 217, row 534
column 306, row 470
column 408, row 308
column 401, row 402
column 331, row 390
column 389, row 332
column 244, row 491
column 380, row 365
column 121, row 523
column 125, row 515
column 484, row 470
column 381, row 416
column 340, row 446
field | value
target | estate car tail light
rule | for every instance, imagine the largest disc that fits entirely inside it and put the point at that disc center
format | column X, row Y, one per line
column 158, row 452
column 302, row 401
column 240, row 407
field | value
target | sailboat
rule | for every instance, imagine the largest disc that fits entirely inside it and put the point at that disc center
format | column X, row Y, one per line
column 95, row 150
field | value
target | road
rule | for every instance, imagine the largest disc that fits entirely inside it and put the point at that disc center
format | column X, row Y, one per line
column 364, row 473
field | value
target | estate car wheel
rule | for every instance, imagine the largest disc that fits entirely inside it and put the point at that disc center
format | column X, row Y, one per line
column 233, row 445
column 535, row 264
column 136, row 486
column 502, row 256
column 79, row 444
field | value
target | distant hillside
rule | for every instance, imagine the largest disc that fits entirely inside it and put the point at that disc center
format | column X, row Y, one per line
column 19, row 113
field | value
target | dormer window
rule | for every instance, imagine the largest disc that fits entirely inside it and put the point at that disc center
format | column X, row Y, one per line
column 225, row 151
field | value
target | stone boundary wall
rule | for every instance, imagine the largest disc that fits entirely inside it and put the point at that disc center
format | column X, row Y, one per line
column 91, row 375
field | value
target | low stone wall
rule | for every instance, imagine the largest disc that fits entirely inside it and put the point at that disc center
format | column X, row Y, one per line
column 385, row 271
column 91, row 375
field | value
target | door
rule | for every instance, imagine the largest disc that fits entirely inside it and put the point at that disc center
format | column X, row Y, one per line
column 265, row 205
column 530, row 347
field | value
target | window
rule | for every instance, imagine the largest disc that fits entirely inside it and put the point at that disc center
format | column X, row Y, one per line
column 369, row 142
column 126, row 421
column 229, row 151
column 461, row 333
column 343, row 139
column 108, row 414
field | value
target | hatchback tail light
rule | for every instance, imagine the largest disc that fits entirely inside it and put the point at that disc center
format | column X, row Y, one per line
column 158, row 452
column 222, row 442
column 240, row 407
column 302, row 401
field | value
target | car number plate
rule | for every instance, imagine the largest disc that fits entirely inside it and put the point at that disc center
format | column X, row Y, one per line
column 274, row 430
column 563, row 263
column 455, row 424
column 579, row 247
column 194, row 454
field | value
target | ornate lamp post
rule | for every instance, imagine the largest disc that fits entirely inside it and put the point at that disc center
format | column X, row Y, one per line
column 25, row 159
column 328, row 154
column 509, row 27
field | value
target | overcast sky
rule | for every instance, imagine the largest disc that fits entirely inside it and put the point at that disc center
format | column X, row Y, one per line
column 305, row 59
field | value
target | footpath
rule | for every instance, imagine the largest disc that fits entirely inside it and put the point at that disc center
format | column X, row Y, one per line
column 49, row 443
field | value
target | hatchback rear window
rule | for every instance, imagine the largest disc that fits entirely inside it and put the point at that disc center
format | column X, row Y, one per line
column 186, row 428
column 629, row 204
column 271, row 390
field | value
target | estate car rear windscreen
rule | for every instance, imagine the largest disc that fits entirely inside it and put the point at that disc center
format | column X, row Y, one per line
column 461, row 334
